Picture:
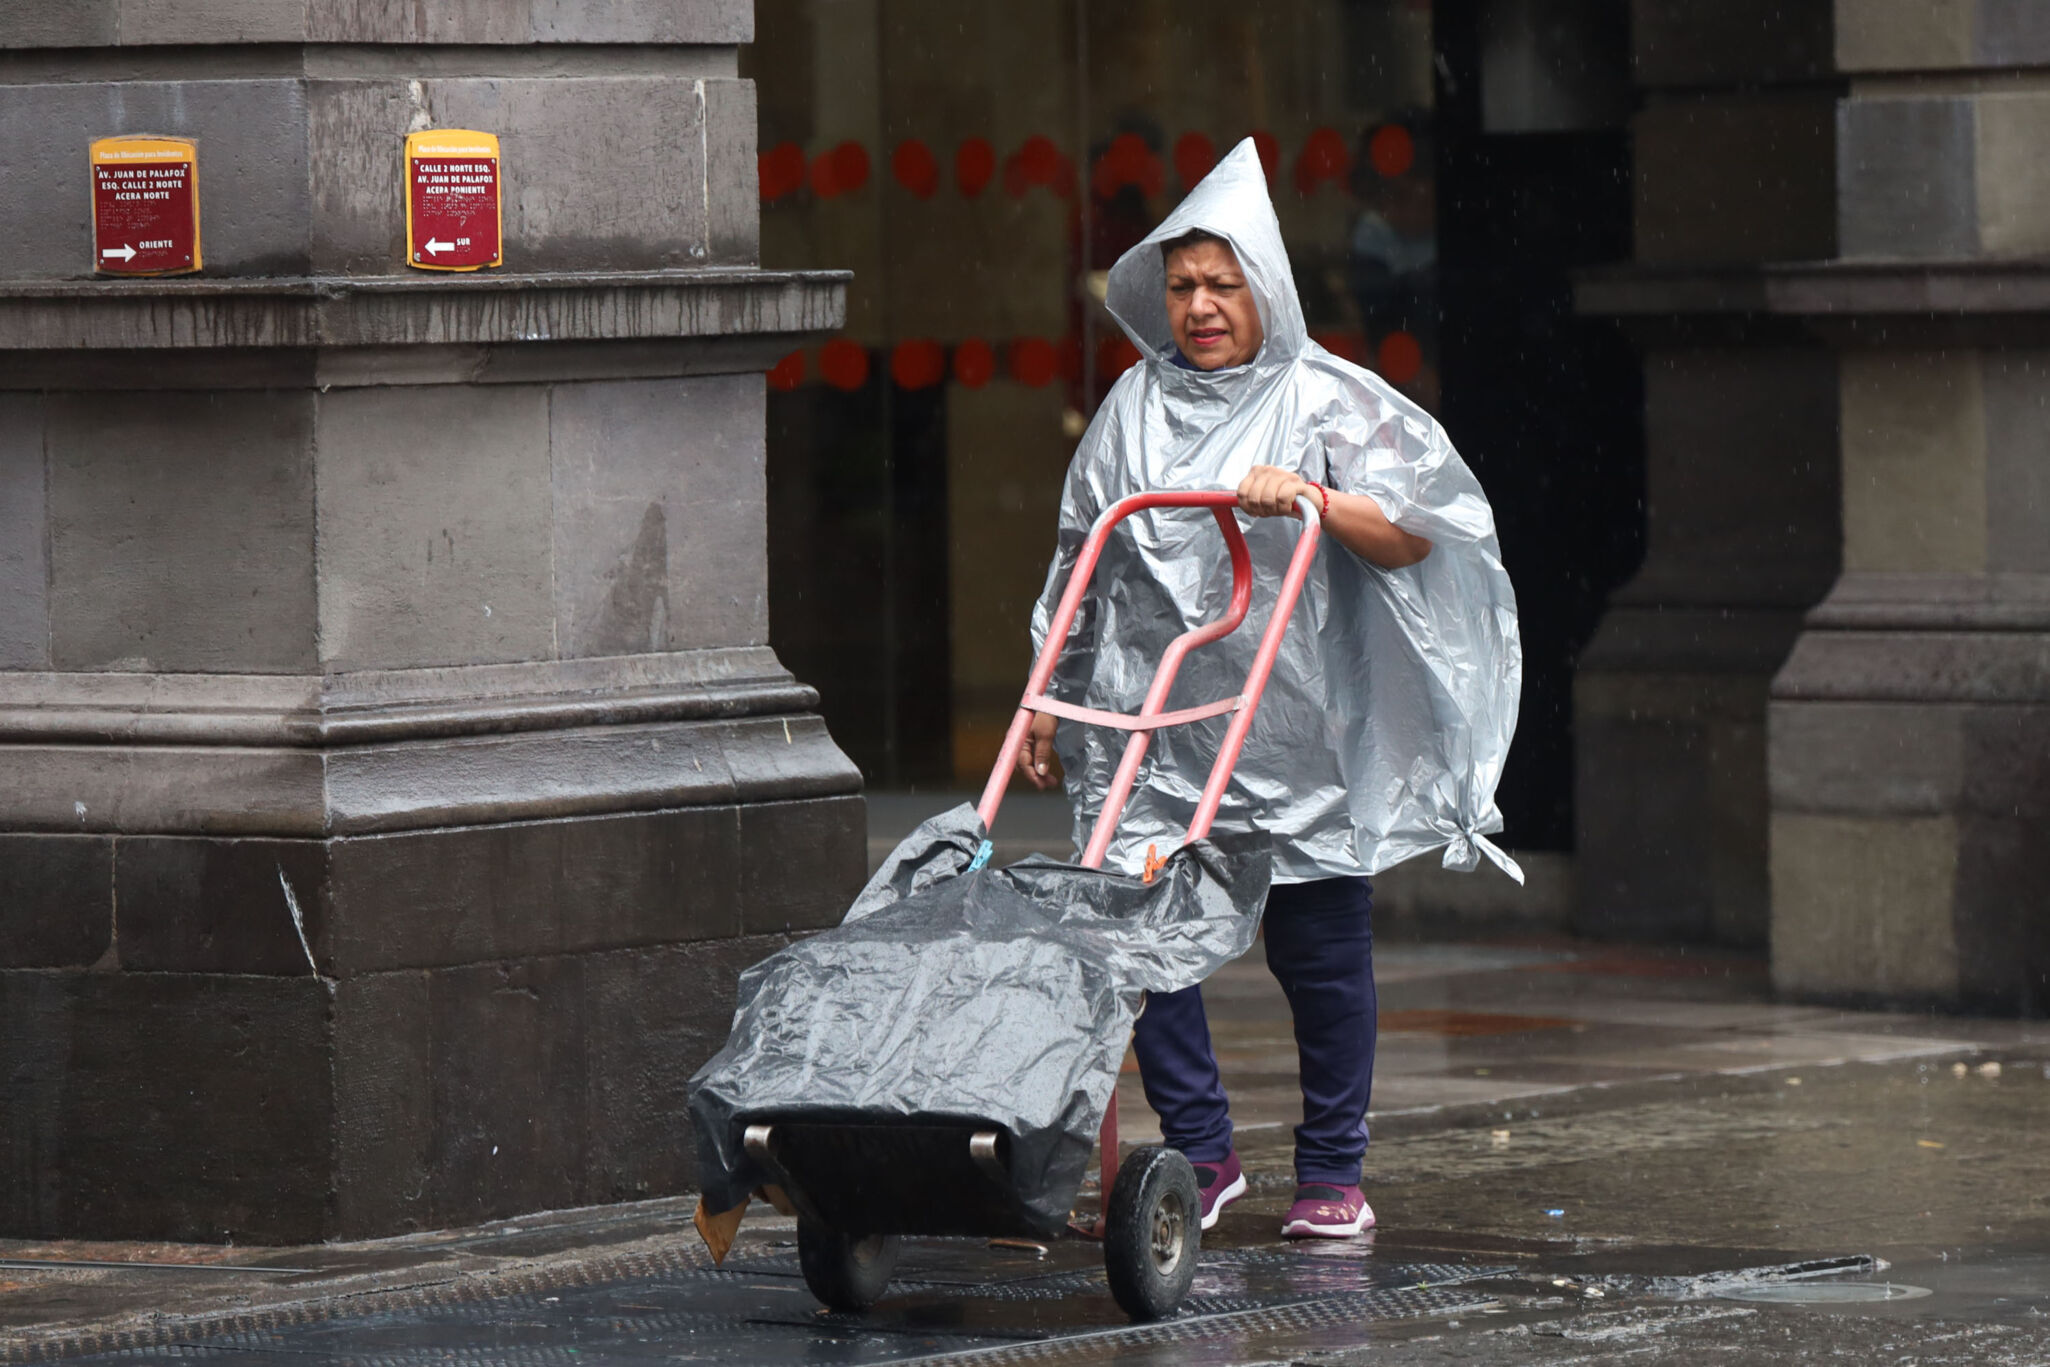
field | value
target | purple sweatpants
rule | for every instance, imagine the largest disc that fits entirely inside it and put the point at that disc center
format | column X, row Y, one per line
column 1320, row 948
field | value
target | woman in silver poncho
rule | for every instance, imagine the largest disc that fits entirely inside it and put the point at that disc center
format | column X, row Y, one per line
column 1383, row 730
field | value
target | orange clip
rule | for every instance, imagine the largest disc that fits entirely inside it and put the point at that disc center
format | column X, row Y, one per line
column 1154, row 863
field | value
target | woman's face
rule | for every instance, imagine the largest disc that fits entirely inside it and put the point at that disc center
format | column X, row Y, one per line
column 1210, row 308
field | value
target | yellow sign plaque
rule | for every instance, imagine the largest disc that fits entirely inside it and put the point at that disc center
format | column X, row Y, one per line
column 452, row 200
column 145, row 205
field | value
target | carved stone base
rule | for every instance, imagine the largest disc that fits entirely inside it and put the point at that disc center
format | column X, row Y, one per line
column 1911, row 795
column 477, row 1021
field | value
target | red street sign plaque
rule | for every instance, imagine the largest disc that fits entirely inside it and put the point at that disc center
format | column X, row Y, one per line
column 452, row 199
column 145, row 206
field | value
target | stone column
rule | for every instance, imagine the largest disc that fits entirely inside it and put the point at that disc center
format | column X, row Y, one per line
column 1734, row 152
column 1846, row 378
column 394, row 770
column 1910, row 757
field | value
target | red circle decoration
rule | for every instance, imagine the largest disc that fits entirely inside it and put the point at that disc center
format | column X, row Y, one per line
column 782, row 170
column 788, row 373
column 1115, row 354
column 1194, row 155
column 1392, row 150
column 1038, row 162
column 974, row 363
column 844, row 364
column 919, row 363
column 1034, row 361
column 1323, row 158
column 1128, row 161
column 1269, row 148
column 1040, row 159
column 915, row 168
column 1346, row 346
column 840, row 171
column 1401, row 358
column 850, row 165
column 975, row 161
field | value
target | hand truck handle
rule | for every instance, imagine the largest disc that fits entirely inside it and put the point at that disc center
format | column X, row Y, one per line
column 1223, row 505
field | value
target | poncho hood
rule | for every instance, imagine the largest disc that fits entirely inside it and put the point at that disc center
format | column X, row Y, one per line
column 1386, row 724
column 1231, row 202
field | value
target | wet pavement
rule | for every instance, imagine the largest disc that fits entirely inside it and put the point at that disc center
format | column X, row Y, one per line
column 1582, row 1154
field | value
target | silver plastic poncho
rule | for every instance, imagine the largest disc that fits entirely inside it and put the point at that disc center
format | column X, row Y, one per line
column 1383, row 731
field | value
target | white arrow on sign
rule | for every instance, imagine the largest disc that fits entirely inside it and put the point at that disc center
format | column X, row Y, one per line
column 435, row 247
column 124, row 252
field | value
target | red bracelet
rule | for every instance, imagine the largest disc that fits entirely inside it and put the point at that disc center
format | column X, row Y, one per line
column 1322, row 493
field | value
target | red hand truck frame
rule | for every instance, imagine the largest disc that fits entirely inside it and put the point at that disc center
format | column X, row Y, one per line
column 1223, row 505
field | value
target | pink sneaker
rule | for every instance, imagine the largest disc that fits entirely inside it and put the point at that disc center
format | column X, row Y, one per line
column 1221, row 1184
column 1326, row 1212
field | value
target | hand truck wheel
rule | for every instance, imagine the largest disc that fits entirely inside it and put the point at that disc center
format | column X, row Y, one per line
column 1152, row 1232
column 847, row 1272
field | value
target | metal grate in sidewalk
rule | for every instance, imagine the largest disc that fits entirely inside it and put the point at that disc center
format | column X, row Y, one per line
column 954, row 1305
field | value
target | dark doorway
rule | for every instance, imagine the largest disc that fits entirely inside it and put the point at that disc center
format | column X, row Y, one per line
column 1534, row 183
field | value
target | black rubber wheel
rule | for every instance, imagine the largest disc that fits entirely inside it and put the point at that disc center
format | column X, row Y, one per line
column 1152, row 1232
column 845, row 1271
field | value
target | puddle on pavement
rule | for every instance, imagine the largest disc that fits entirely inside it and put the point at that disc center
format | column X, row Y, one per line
column 1826, row 1293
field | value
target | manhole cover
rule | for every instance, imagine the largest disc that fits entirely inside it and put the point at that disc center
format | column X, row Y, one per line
column 1826, row 1293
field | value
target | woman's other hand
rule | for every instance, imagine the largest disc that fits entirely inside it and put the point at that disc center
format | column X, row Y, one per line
column 1035, row 752
column 1270, row 491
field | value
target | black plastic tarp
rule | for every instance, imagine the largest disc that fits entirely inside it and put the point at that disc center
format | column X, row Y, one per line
column 1001, row 996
